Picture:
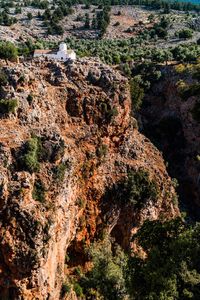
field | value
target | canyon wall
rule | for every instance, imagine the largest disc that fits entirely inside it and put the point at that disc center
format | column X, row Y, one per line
column 65, row 151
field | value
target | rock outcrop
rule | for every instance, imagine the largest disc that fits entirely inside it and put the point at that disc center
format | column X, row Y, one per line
column 168, row 120
column 64, row 151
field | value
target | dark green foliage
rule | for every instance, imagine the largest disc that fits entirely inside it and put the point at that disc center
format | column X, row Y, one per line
column 39, row 191
column 18, row 10
column 189, row 91
column 8, row 106
column 102, row 151
column 39, row 4
column 30, row 160
column 30, row 98
column 171, row 269
column 107, row 275
column 185, row 33
column 3, row 78
column 30, row 16
column 38, row 150
column 78, row 290
column 55, row 29
column 135, row 190
column 137, row 95
column 139, row 188
column 103, row 20
column 160, row 29
column 87, row 22
column 5, row 19
column 59, row 172
column 109, row 113
column 8, row 51
column 65, row 289
column 52, row 19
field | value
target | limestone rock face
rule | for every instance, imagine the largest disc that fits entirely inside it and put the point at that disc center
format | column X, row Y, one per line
column 79, row 115
column 168, row 120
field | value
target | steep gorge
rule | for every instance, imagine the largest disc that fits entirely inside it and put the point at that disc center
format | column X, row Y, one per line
column 65, row 152
column 167, row 118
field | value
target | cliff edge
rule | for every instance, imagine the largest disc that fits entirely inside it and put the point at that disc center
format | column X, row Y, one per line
column 70, row 155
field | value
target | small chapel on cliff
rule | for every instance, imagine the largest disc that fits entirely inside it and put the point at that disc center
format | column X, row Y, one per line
column 62, row 54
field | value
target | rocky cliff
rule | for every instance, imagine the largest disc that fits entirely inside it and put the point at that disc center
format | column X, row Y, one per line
column 170, row 118
column 68, row 147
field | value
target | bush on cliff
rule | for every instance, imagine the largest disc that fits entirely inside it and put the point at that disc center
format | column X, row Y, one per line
column 30, row 160
column 8, row 51
column 39, row 191
column 139, row 188
column 136, row 190
column 137, row 95
column 8, row 106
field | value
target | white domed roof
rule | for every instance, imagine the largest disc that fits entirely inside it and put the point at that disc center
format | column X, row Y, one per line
column 63, row 47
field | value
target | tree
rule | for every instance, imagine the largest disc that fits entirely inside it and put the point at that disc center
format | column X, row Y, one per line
column 185, row 33
column 8, row 51
column 170, row 269
column 137, row 94
column 29, row 16
column 87, row 21
column 107, row 274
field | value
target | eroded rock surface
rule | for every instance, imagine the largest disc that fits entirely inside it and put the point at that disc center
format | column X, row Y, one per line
column 79, row 116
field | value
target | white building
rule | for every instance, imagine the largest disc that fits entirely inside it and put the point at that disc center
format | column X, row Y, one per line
column 63, row 54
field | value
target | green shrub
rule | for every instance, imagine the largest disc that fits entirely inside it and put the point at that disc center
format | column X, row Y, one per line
column 30, row 159
column 78, row 290
column 189, row 91
column 102, row 151
column 107, row 275
column 137, row 95
column 29, row 16
column 170, row 269
column 8, row 106
column 109, row 112
column 3, row 78
column 185, row 33
column 59, row 172
column 135, row 190
column 139, row 188
column 30, row 98
column 8, row 51
column 39, row 191
column 65, row 289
